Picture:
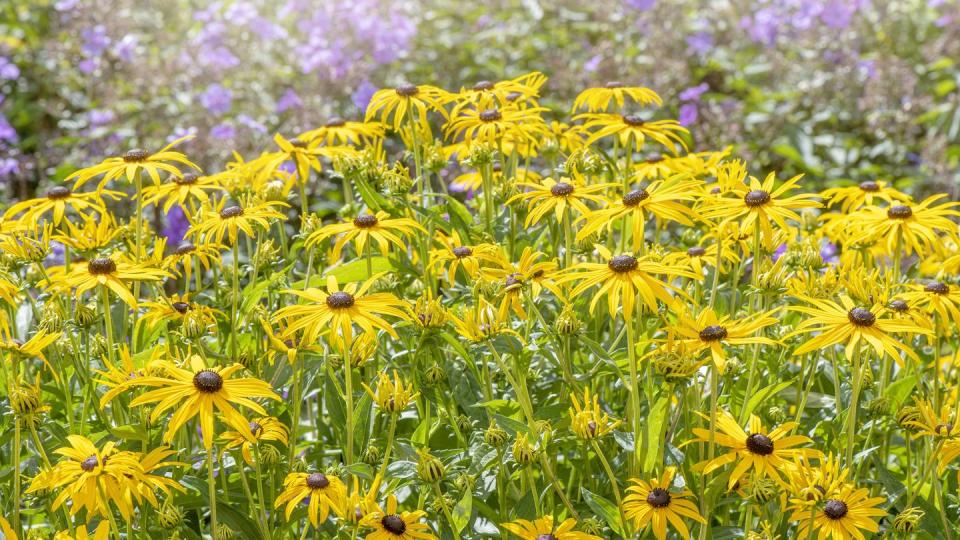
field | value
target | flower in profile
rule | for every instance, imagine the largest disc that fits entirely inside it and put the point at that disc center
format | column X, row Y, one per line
column 851, row 198
column 181, row 188
column 632, row 130
column 841, row 516
column 116, row 376
column 588, row 421
column 325, row 492
column 391, row 524
column 699, row 257
column 392, row 396
column 266, row 428
column 359, row 503
column 529, row 270
column 377, row 228
column 93, row 235
column 544, row 528
column 598, row 99
column 939, row 299
column 337, row 131
column 932, row 423
column 455, row 254
column 808, row 484
column 222, row 220
column 199, row 391
column 15, row 350
column 336, row 311
column 915, row 226
column 133, row 162
column 112, row 273
column 561, row 197
column 192, row 258
column 487, row 123
column 408, row 99
column 760, row 203
column 624, row 279
column 654, row 503
column 482, row 323
column 101, row 532
column 176, row 308
column 848, row 324
column 707, row 331
column 765, row 453
column 58, row 200
column 503, row 92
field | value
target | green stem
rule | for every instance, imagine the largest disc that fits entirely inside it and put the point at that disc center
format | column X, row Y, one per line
column 389, row 449
column 235, row 329
column 212, row 492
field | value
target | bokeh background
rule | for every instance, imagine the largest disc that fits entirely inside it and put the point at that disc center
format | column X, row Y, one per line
column 839, row 89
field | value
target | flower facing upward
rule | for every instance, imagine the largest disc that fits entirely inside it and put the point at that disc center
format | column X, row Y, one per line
column 653, row 503
column 179, row 189
column 336, row 311
column 762, row 452
column 366, row 228
column 454, row 254
column 598, row 99
column 408, row 99
column 326, row 492
column 544, row 529
column 222, row 220
column 862, row 194
column 937, row 298
column 200, row 391
column 915, row 226
column 131, row 163
column 589, row 421
column 391, row 524
column 112, row 273
column 632, row 130
column 57, row 200
column 709, row 332
column 392, row 396
column 842, row 516
column 561, row 197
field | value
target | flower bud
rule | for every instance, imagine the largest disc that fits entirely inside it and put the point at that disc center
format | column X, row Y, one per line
column 495, row 436
column 906, row 522
column 523, row 452
column 169, row 516
column 84, row 316
column 429, row 468
column 24, row 399
column 434, row 375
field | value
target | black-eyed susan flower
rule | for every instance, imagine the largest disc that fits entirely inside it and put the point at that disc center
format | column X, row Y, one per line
column 182, row 190
column 191, row 258
column 808, row 484
column 842, row 516
column 624, row 280
column 530, row 271
column 848, row 324
column 222, row 220
column 760, row 202
column 393, row 524
column 707, row 331
column 91, row 236
column 176, row 308
column 632, row 130
column 378, row 228
column 132, row 162
column 325, row 492
column 100, row 532
column 455, row 254
column 336, row 311
column 699, row 257
column 199, row 391
column 599, row 98
column 762, row 452
column 588, row 421
column 863, row 194
column 654, row 503
column 361, row 503
column 113, row 273
column 937, row 298
column 488, row 123
column 338, row 131
column 406, row 100
column 57, row 201
column 15, row 350
column 116, row 375
column 391, row 396
column 915, row 226
column 525, row 86
column 266, row 428
column 482, row 323
column 561, row 196
column 544, row 528
column 930, row 422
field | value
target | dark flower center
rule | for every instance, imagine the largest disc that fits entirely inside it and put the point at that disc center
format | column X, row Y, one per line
column 756, row 197
column 58, row 192
column 937, row 288
column 713, row 333
column 490, row 115
column 561, row 189
column 365, row 221
column 614, row 84
column 136, row 155
column 297, row 143
column 512, row 280
column 696, row 251
column 513, row 96
column 714, row 190
column 462, row 251
column 89, row 464
column 835, row 509
column 407, row 90
column 393, row 524
column 256, row 429
column 943, row 429
column 632, row 120
column 635, row 197
column 180, row 307
column 497, row 167
column 546, row 536
column 340, row 300
column 102, row 265
column 231, row 212
column 483, row 85
column 185, row 248
column 861, row 317
column 336, row 122
column 592, row 426
column 186, row 180
column 869, row 186
column 317, row 481
column 656, row 158
column 759, row 444
column 208, row 381
column 658, row 498
column 899, row 211
column 899, row 306
column 622, row 263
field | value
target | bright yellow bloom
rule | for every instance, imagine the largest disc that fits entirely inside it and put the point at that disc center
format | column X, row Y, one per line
column 912, row 226
column 632, row 131
column 939, row 299
column 709, row 332
column 654, row 503
column 391, row 396
column 338, row 131
column 379, row 228
column 454, row 254
column 842, row 516
column 267, row 428
column 487, row 123
column 588, row 421
column 598, row 99
column 222, row 220
column 57, row 200
column 326, row 492
column 113, row 274
column 561, row 197
column 863, row 194
column 181, row 188
column 544, row 527
column 395, row 525
column 406, row 100
column 133, row 162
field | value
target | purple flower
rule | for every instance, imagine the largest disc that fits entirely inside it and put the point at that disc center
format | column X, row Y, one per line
column 762, row 26
column 8, row 167
column 95, row 41
column 829, row 252
column 838, row 14
column 361, row 96
column 223, row 131
column 699, row 43
column 8, row 70
column 87, row 66
column 181, row 132
column 251, row 123
column 688, row 114
column 7, row 133
column 177, row 225
column 642, row 5
column 694, row 92
column 289, row 100
column 593, row 63
column 126, row 47
column 100, row 117
column 217, row 99
column 66, row 5
column 781, row 249
column 241, row 13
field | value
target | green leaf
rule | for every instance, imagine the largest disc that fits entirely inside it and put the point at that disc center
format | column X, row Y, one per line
column 462, row 511
column 757, row 399
column 655, row 423
column 350, row 272
column 898, row 390
column 603, row 508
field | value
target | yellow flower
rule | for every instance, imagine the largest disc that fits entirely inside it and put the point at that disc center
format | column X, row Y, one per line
column 394, row 525
column 561, row 197
column 842, row 516
column 598, row 99
column 113, row 274
column 57, row 200
column 931, row 423
column 697, row 258
column 360, row 504
column 406, row 99
column 102, row 532
column 454, row 254
column 92, row 236
column 486, row 123
column 180, row 189
column 939, row 299
column 525, row 86
column 709, row 332
column 199, row 391
column 189, row 256
column 338, row 131
column 223, row 220
column 588, row 421
column 326, row 492
column 912, row 226
column 15, row 350
column 653, row 503
column 632, row 130
column 266, row 428
column 379, row 228
column 133, row 162
column 391, row 396
column 176, row 308
column 482, row 323
column 544, row 527
column 853, row 197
